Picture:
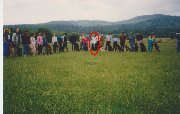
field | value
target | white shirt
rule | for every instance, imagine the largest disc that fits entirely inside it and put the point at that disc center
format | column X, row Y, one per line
column 62, row 38
column 33, row 41
column 54, row 39
column 115, row 39
column 94, row 40
column 108, row 37
column 118, row 40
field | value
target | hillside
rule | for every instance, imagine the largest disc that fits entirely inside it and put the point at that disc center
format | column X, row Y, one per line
column 163, row 25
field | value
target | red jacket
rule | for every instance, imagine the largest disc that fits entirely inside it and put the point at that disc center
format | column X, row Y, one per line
column 85, row 39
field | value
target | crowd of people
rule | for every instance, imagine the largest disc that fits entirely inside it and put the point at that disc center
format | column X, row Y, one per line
column 22, row 44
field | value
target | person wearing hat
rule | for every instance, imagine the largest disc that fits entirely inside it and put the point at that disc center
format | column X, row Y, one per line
column 132, row 41
column 177, row 42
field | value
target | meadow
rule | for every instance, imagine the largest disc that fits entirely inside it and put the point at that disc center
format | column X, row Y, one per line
column 79, row 83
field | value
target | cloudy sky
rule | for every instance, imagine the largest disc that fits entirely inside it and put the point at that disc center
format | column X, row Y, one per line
column 39, row 11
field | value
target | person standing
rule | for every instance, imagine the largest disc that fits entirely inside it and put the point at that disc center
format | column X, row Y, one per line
column 54, row 42
column 85, row 43
column 177, row 42
column 65, row 42
column 139, row 40
column 6, row 42
column 45, row 44
column 60, row 42
column 97, row 45
column 108, row 41
column 17, row 41
column 115, row 39
column 73, row 41
column 155, row 44
column 150, row 43
column 80, row 40
column 25, row 43
column 94, row 42
column 40, row 43
column 122, row 41
column 102, row 40
column 132, row 41
column 33, row 45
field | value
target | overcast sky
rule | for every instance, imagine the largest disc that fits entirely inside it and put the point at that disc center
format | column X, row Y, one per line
column 39, row 11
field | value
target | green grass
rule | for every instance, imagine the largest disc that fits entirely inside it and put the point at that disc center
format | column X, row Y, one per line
column 110, row 83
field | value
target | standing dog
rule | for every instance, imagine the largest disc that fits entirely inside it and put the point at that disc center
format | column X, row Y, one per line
column 127, row 48
column 11, row 50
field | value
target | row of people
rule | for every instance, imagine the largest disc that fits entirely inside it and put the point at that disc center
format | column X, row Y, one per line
column 136, row 42
column 23, row 44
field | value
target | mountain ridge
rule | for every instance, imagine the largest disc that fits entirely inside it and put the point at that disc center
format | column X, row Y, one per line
column 163, row 25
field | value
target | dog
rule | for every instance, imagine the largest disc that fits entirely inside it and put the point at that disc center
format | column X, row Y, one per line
column 143, row 48
column 156, row 47
column 57, row 48
column 110, row 48
column 49, row 50
column 86, row 48
column 11, row 50
column 102, row 49
column 136, row 47
column 127, row 48
column 119, row 47
column 77, row 47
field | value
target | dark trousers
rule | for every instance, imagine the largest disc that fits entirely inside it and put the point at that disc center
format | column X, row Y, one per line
column 84, row 46
column 107, row 45
column 96, row 45
column 114, row 46
column 93, row 47
column 73, row 46
column 60, row 46
column 6, row 50
column 17, row 50
column 65, row 46
column 54, row 47
column 122, row 46
column 81, row 46
column 39, row 49
column 25, row 49
column 156, row 46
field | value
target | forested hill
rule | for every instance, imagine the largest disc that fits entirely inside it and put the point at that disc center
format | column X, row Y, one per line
column 162, row 25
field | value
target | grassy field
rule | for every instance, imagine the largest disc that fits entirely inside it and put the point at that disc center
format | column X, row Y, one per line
column 78, row 83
